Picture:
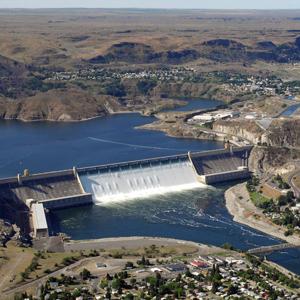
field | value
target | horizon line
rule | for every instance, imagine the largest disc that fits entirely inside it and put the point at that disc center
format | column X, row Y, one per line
column 148, row 8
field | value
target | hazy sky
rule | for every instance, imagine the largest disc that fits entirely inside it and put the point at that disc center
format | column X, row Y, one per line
column 219, row 4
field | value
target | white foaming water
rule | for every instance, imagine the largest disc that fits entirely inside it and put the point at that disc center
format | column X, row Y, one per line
column 146, row 181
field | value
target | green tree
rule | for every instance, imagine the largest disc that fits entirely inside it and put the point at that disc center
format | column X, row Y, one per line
column 129, row 297
column 85, row 274
column 116, row 284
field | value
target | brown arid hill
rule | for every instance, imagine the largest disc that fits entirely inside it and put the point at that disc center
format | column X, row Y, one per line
column 66, row 37
column 58, row 105
column 9, row 67
column 139, row 53
column 13, row 75
column 220, row 50
column 225, row 50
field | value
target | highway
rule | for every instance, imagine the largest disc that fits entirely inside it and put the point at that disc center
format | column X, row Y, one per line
column 291, row 182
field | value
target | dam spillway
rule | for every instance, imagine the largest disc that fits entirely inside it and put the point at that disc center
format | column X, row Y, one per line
column 121, row 181
column 142, row 179
column 132, row 179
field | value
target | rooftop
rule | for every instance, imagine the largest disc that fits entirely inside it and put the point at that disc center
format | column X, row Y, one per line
column 39, row 219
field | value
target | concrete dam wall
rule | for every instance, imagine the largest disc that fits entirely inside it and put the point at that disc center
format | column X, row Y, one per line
column 133, row 179
column 118, row 182
column 140, row 179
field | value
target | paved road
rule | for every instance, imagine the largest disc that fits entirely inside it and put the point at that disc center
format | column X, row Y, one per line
column 291, row 182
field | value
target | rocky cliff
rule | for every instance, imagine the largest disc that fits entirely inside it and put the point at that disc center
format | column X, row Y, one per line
column 58, row 105
column 281, row 132
column 245, row 129
column 281, row 143
column 284, row 132
column 273, row 160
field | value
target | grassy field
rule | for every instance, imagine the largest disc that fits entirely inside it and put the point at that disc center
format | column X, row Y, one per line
column 258, row 199
column 22, row 265
column 154, row 251
column 15, row 260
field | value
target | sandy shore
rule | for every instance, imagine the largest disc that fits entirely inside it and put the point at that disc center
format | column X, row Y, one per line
column 244, row 211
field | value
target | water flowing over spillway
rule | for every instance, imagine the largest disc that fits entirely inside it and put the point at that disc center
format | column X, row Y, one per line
column 140, row 182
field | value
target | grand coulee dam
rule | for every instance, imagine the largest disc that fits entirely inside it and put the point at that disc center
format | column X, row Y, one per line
column 115, row 182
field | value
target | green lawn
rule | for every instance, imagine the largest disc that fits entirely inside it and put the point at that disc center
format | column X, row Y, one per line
column 258, row 199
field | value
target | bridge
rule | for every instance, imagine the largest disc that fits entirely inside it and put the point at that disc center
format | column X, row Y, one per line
column 270, row 249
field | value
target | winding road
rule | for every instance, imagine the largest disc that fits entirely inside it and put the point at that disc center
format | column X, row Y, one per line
column 294, row 186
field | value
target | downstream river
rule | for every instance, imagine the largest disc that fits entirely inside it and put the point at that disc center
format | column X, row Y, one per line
column 199, row 215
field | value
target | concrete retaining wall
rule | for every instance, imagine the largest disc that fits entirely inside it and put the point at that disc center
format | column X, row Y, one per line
column 77, row 200
column 46, row 175
column 221, row 151
column 226, row 176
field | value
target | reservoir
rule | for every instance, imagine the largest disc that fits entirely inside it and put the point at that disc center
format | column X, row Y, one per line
column 45, row 146
column 198, row 215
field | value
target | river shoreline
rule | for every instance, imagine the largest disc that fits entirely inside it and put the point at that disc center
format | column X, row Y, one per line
column 133, row 242
column 70, row 120
column 242, row 209
column 181, row 132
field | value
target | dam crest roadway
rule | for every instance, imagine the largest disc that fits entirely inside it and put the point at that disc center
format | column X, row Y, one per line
column 128, row 180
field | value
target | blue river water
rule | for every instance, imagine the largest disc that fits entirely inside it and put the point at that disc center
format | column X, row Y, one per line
column 290, row 110
column 199, row 215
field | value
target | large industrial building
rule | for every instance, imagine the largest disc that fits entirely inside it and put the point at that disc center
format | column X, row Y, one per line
column 221, row 165
column 39, row 222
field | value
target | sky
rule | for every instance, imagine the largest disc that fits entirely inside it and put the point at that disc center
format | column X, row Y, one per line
column 206, row 4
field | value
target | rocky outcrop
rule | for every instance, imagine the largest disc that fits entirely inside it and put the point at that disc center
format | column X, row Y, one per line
column 248, row 130
column 57, row 105
column 273, row 160
column 281, row 132
column 285, row 133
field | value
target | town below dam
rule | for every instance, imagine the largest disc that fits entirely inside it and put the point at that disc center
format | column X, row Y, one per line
column 197, row 214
